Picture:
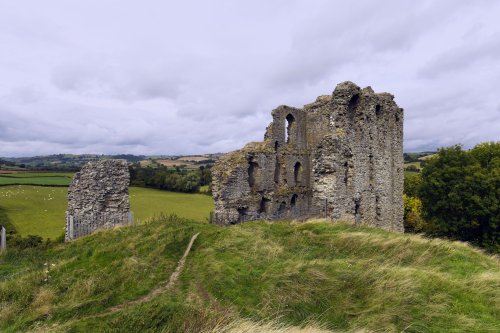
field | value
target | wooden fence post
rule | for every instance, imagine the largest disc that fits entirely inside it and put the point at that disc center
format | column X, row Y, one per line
column 3, row 238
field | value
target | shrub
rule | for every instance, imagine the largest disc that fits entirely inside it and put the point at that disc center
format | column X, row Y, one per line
column 22, row 243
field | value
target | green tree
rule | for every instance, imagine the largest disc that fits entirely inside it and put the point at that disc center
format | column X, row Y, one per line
column 412, row 184
column 460, row 194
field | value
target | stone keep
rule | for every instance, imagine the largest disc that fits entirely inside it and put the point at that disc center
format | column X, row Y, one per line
column 340, row 157
column 98, row 198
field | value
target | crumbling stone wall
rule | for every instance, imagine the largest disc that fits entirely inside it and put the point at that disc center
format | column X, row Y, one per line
column 98, row 198
column 341, row 155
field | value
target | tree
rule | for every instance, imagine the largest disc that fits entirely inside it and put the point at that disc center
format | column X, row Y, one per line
column 413, row 220
column 460, row 194
column 412, row 184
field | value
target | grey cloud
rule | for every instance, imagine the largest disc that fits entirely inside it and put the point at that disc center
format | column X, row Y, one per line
column 177, row 80
column 26, row 94
column 354, row 33
column 462, row 57
column 106, row 80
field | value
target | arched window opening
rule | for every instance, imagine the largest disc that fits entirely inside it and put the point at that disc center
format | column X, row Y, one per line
column 351, row 107
column 297, row 172
column 346, row 172
column 293, row 201
column 253, row 168
column 378, row 110
column 290, row 120
column 264, row 205
column 276, row 145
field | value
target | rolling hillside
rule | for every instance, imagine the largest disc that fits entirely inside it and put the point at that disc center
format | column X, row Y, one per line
column 332, row 277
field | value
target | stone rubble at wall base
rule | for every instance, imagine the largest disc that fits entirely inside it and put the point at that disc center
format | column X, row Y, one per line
column 341, row 155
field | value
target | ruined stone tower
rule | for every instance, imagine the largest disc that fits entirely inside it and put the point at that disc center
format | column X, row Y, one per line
column 98, row 198
column 341, row 156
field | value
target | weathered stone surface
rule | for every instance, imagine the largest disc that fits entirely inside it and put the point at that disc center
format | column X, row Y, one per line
column 341, row 155
column 98, row 198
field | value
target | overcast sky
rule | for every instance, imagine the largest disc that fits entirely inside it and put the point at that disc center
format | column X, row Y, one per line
column 183, row 77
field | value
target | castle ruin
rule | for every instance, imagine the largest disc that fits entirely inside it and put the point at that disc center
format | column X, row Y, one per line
column 339, row 157
column 98, row 198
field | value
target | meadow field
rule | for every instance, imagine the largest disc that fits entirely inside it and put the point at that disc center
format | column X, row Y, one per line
column 47, row 179
column 35, row 210
column 40, row 174
column 146, row 203
column 40, row 210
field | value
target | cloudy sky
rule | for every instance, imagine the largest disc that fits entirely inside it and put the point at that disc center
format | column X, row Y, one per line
column 182, row 77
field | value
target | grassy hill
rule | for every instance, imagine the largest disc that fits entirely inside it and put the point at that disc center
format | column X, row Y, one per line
column 334, row 276
column 36, row 210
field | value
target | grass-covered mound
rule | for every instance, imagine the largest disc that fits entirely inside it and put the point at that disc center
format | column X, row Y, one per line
column 334, row 276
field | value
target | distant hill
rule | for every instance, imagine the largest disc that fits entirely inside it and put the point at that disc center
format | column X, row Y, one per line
column 65, row 160
column 70, row 162
column 188, row 161
column 338, row 277
column 411, row 157
column 426, row 157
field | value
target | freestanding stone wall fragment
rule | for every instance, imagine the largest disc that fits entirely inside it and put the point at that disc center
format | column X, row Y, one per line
column 98, row 198
column 340, row 156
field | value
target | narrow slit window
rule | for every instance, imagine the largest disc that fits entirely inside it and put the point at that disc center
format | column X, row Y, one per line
column 253, row 169
column 277, row 172
column 290, row 120
column 297, row 172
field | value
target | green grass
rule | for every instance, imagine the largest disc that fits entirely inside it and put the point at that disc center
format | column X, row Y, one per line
column 342, row 277
column 47, row 179
column 39, row 174
column 146, row 203
column 35, row 210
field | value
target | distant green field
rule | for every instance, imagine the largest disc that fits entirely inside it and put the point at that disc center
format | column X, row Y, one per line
column 49, row 179
column 416, row 164
column 39, row 174
column 146, row 203
column 36, row 210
